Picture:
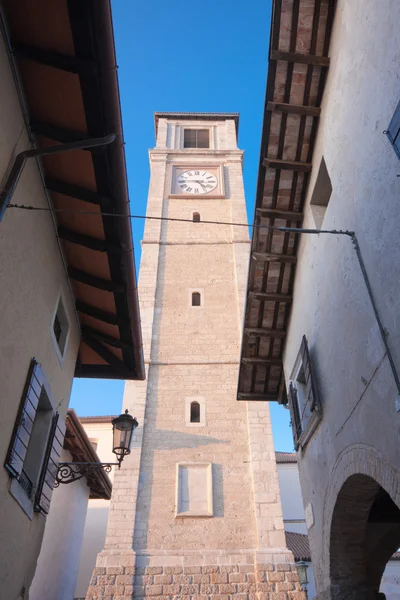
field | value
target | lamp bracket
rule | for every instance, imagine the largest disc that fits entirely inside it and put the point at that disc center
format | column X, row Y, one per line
column 68, row 472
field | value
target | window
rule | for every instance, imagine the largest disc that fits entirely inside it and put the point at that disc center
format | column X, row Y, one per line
column 94, row 443
column 321, row 194
column 35, row 446
column 60, row 328
column 304, row 402
column 196, row 138
column 194, row 496
column 196, row 299
column 393, row 131
column 195, row 412
column 196, row 217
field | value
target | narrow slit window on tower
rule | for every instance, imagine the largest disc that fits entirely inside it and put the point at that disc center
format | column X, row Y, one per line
column 196, row 138
column 196, row 217
column 195, row 412
column 196, row 299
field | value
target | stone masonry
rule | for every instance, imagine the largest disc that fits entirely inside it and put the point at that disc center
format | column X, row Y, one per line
column 159, row 542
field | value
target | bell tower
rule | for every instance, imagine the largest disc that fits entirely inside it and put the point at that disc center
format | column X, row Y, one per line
column 195, row 511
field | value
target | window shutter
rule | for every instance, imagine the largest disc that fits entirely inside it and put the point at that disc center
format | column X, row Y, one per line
column 294, row 414
column 312, row 393
column 24, row 422
column 393, row 131
column 50, row 465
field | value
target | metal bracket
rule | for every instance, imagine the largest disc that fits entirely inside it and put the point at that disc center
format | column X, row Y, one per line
column 21, row 158
column 69, row 472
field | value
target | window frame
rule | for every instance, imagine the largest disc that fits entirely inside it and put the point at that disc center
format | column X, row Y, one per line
column 196, row 130
column 303, row 364
column 65, row 327
column 393, row 131
column 36, row 496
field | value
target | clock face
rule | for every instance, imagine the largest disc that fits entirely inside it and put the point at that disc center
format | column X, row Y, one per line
column 197, row 182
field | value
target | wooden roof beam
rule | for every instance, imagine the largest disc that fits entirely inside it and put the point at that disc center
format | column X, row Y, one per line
column 100, row 315
column 103, row 337
column 298, row 109
column 76, row 191
column 86, row 240
column 59, row 134
column 270, row 297
column 304, row 59
column 52, row 58
column 287, row 215
column 256, row 360
column 287, row 165
column 271, row 257
column 107, row 355
column 264, row 332
column 257, row 396
column 101, row 284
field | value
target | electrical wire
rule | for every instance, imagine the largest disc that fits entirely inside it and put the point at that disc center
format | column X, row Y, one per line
column 174, row 219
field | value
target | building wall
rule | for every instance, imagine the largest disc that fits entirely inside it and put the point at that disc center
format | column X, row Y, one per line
column 94, row 532
column 292, row 502
column 31, row 278
column 359, row 428
column 57, row 567
column 192, row 353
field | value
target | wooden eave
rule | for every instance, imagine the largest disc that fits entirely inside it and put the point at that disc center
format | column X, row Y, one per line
column 64, row 59
column 77, row 443
column 297, row 70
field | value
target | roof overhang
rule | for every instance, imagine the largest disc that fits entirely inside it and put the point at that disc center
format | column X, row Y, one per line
column 297, row 70
column 191, row 116
column 77, row 443
column 63, row 57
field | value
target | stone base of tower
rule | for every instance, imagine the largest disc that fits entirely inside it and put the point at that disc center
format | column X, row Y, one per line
column 268, row 575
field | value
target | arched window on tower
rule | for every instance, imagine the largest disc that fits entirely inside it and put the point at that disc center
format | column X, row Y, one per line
column 196, row 217
column 195, row 412
column 196, row 299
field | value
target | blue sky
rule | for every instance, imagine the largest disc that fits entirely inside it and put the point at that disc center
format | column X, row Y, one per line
column 177, row 55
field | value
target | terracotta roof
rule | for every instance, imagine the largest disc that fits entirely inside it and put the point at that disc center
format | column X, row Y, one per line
column 193, row 116
column 63, row 58
column 77, row 443
column 297, row 70
column 286, row 457
column 298, row 544
column 98, row 419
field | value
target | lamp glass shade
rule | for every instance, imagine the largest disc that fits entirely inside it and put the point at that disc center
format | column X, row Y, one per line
column 302, row 568
column 123, row 428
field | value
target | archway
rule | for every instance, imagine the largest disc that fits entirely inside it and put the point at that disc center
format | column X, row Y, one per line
column 365, row 532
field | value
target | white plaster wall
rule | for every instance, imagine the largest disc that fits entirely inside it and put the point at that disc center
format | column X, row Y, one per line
column 95, row 526
column 292, row 502
column 390, row 584
column 57, row 567
column 31, row 279
column 331, row 305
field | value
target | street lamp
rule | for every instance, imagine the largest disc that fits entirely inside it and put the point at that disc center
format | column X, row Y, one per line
column 302, row 568
column 123, row 428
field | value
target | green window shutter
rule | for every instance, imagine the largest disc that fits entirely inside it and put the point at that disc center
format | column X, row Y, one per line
column 24, row 422
column 312, row 392
column 50, row 465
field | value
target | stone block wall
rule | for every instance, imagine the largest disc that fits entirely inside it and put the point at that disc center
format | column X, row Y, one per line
column 224, row 582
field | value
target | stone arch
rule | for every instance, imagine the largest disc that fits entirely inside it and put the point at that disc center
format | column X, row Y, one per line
column 359, row 475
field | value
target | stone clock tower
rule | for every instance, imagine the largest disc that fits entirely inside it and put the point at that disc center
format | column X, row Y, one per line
column 195, row 512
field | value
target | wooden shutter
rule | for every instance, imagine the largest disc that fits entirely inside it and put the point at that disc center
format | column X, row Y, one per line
column 294, row 414
column 312, row 393
column 50, row 465
column 393, row 131
column 24, row 422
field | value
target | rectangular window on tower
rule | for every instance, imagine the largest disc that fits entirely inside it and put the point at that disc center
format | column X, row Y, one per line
column 196, row 138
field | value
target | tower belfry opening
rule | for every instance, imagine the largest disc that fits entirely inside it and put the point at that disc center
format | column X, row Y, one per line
column 195, row 509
